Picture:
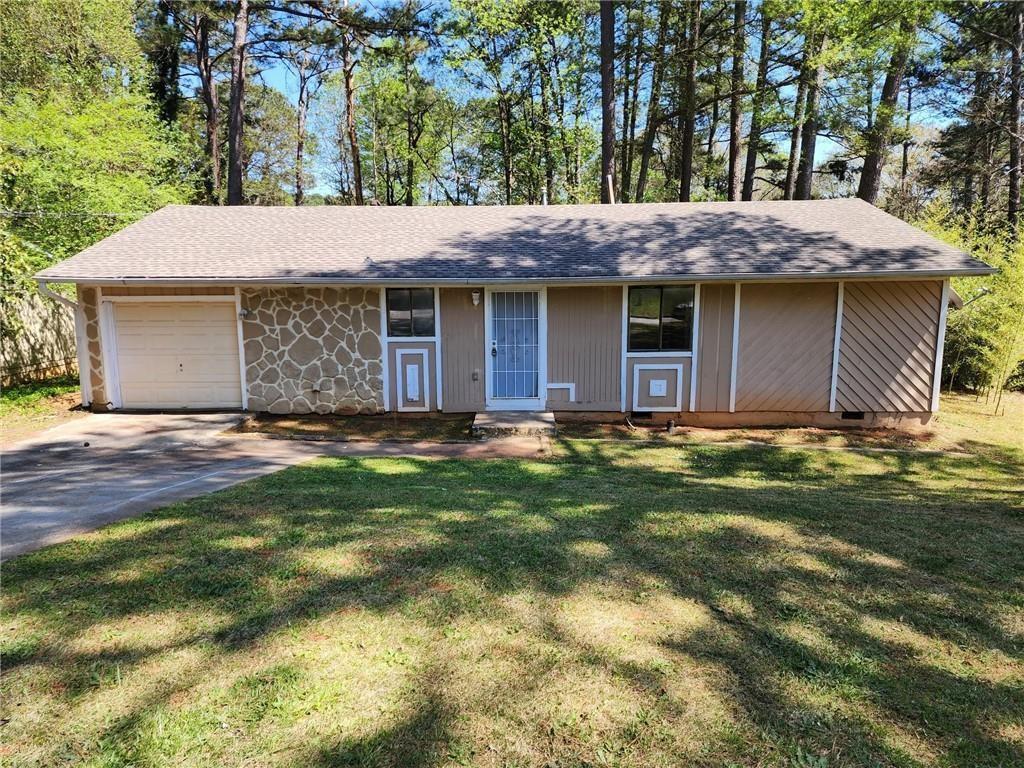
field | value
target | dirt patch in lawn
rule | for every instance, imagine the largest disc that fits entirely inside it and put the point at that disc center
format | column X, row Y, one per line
column 438, row 428
column 17, row 424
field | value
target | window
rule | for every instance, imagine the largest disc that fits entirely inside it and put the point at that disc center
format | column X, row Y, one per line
column 410, row 311
column 661, row 318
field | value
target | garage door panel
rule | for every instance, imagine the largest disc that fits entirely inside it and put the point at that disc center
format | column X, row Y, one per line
column 178, row 355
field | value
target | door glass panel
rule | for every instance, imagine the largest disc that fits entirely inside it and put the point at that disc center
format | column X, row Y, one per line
column 515, row 333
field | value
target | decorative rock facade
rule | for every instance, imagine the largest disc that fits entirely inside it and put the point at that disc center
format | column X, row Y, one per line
column 88, row 300
column 313, row 350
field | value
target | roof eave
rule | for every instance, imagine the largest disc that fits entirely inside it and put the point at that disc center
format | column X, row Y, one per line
column 760, row 277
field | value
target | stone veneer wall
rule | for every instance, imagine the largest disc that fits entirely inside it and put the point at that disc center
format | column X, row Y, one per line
column 88, row 298
column 313, row 350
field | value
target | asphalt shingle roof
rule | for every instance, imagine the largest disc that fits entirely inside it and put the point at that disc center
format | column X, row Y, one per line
column 558, row 243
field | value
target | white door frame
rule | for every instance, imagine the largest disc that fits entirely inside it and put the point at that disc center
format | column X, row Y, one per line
column 538, row 403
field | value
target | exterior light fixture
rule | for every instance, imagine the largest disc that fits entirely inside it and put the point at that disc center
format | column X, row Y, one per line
column 476, row 297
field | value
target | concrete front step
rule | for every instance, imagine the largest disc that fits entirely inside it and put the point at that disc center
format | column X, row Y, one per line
column 502, row 423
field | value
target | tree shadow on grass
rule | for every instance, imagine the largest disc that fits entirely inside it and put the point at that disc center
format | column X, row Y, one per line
column 766, row 540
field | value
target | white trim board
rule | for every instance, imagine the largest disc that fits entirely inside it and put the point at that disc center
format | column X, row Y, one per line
column 241, row 350
column 437, row 349
column 108, row 351
column 400, row 405
column 385, row 357
column 735, row 349
column 836, row 343
column 224, row 298
column 940, row 341
column 569, row 387
column 677, row 367
column 694, row 346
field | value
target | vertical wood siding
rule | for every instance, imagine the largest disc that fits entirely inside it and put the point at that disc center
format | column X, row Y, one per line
column 787, row 334
column 462, row 350
column 714, row 366
column 585, row 346
column 887, row 350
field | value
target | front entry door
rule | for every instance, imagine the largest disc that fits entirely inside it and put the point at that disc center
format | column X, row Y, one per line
column 516, row 350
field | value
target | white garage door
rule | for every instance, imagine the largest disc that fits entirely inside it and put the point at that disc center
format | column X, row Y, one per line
column 177, row 355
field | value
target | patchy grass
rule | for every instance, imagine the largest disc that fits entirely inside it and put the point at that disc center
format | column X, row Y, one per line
column 437, row 427
column 623, row 605
column 964, row 423
column 29, row 408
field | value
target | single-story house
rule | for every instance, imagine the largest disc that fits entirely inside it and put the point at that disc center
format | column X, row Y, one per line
column 813, row 312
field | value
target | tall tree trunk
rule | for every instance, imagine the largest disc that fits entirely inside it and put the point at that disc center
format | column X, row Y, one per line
column 631, row 91
column 211, row 105
column 410, row 161
column 754, row 139
column 735, row 115
column 348, row 73
column 545, row 127
column 880, row 134
column 653, row 101
column 627, row 58
column 713, row 126
column 905, row 164
column 165, row 60
column 796, row 135
column 301, row 110
column 236, row 160
column 809, row 137
column 690, row 95
column 1013, row 207
column 607, row 101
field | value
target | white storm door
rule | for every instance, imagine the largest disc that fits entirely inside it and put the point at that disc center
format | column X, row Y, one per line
column 516, row 350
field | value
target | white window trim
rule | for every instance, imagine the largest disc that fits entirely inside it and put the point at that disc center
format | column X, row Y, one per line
column 836, row 343
column 735, row 349
column 940, row 342
column 221, row 298
column 569, row 387
column 437, row 348
column 423, row 352
column 694, row 347
column 525, row 404
column 677, row 367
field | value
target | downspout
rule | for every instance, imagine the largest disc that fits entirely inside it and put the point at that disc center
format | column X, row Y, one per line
column 80, row 340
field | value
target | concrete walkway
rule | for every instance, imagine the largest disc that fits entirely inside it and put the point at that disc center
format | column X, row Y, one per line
column 105, row 467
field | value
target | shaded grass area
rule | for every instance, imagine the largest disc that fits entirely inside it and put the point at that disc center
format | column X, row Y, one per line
column 964, row 423
column 438, row 427
column 28, row 408
column 621, row 606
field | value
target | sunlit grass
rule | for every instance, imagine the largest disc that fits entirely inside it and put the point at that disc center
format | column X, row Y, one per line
column 619, row 605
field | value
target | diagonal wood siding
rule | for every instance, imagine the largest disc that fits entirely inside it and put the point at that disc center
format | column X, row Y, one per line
column 787, row 332
column 887, row 351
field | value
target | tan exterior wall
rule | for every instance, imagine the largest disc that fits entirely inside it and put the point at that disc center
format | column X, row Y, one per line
column 313, row 350
column 787, row 333
column 662, row 368
column 462, row 350
column 714, row 352
column 887, row 349
column 419, row 353
column 585, row 346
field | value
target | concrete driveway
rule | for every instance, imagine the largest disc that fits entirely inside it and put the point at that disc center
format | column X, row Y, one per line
column 105, row 467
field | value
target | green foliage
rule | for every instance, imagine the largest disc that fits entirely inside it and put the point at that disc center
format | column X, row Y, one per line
column 29, row 398
column 984, row 339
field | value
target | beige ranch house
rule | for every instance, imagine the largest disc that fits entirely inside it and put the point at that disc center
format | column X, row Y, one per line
column 815, row 312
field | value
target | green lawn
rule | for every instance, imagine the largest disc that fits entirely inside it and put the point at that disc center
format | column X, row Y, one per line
column 618, row 605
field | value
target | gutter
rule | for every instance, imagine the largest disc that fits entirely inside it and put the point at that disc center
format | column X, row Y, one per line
column 81, row 351
column 759, row 277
